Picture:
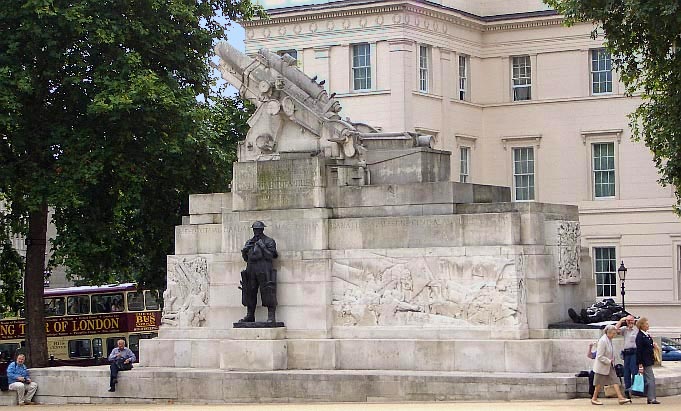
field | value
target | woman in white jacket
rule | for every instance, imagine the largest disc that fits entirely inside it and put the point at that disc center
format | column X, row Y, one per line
column 604, row 366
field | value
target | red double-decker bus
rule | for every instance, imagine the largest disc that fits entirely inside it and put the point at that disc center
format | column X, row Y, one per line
column 84, row 323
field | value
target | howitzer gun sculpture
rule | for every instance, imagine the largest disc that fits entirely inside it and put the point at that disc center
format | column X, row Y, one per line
column 296, row 116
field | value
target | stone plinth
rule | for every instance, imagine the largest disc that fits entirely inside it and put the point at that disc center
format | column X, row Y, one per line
column 255, row 349
column 414, row 165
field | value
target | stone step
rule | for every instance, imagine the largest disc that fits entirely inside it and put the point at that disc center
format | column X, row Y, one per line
column 62, row 385
column 8, row 398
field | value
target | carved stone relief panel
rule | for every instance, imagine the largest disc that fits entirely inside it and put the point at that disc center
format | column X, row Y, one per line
column 463, row 291
column 569, row 248
column 186, row 296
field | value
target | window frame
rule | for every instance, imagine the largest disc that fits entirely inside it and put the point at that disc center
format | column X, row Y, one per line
column 68, row 347
column 612, row 285
column 527, row 78
column 533, row 175
column 127, row 301
column 592, row 72
column 425, row 53
column 589, row 137
column 80, row 296
column 369, row 68
column 54, row 300
column 464, row 177
column 594, row 171
column 464, row 93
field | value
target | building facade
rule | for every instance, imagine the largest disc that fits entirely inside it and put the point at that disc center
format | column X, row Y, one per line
column 519, row 99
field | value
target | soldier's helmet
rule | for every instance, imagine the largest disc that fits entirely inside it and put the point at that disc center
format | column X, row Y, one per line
column 258, row 224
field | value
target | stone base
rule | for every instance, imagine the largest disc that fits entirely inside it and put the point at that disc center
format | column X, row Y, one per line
column 62, row 385
column 267, row 349
column 259, row 324
column 8, row 398
column 253, row 355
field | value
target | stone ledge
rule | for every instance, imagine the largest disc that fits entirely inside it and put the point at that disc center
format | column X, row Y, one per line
column 8, row 398
column 145, row 385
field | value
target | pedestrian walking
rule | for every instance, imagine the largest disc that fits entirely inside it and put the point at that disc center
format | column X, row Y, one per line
column 645, row 357
column 604, row 367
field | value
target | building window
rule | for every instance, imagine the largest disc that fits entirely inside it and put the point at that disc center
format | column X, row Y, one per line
column 522, row 78
column 601, row 72
column 361, row 66
column 604, row 169
column 424, row 68
column 463, row 77
column 606, row 271
column 523, row 173
column 464, row 172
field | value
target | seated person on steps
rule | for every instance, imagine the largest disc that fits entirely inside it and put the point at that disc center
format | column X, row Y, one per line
column 20, row 381
column 121, row 359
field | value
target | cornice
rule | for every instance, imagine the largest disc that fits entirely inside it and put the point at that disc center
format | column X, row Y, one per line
column 431, row 10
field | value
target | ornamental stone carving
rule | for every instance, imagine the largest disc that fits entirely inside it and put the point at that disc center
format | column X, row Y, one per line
column 468, row 291
column 186, row 296
column 313, row 27
column 346, row 24
column 379, row 20
column 569, row 250
column 330, row 25
column 397, row 18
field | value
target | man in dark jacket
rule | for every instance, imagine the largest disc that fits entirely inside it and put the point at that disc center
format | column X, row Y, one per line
column 258, row 252
column 646, row 358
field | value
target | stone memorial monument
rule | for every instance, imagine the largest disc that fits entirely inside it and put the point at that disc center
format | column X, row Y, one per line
column 383, row 262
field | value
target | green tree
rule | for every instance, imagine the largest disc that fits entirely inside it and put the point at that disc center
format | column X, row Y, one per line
column 645, row 38
column 99, row 121
column 11, row 268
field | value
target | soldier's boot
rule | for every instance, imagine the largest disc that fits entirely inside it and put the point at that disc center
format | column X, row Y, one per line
column 271, row 314
column 250, row 315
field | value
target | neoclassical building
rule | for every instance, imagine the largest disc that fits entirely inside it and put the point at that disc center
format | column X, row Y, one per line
column 519, row 99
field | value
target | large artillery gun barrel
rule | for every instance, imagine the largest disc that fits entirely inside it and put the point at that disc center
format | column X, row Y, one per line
column 248, row 74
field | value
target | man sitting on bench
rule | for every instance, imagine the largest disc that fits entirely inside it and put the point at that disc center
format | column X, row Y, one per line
column 121, row 359
column 20, row 381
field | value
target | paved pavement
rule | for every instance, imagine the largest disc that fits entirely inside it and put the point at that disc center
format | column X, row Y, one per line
column 668, row 403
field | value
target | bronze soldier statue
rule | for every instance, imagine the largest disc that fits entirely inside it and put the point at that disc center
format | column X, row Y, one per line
column 258, row 252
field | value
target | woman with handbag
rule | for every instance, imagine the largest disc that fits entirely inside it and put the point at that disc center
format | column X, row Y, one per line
column 604, row 367
column 645, row 356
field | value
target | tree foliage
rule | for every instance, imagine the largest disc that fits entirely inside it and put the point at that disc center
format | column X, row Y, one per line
column 99, row 121
column 645, row 38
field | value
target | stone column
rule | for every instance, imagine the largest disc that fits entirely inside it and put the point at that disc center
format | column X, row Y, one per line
column 401, row 83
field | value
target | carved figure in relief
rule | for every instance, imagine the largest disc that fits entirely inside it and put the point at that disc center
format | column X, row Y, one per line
column 452, row 290
column 569, row 253
column 186, row 295
column 258, row 252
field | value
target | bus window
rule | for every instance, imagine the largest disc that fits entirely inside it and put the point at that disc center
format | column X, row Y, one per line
column 7, row 351
column 135, row 301
column 79, row 304
column 111, row 343
column 54, row 306
column 80, row 349
column 106, row 303
column 151, row 299
column 97, row 348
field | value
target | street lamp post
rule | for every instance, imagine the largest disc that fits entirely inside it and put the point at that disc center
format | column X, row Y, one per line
column 622, row 273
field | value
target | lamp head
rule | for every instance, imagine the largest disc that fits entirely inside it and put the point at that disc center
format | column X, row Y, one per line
column 622, row 271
